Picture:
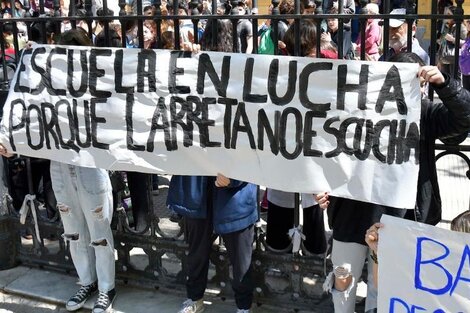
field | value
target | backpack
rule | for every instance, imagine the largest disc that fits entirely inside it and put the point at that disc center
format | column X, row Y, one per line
column 266, row 44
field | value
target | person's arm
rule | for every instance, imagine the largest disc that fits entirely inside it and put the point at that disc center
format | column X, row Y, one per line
column 248, row 30
column 372, row 240
column 451, row 117
column 223, row 181
column 322, row 200
column 372, row 37
column 349, row 7
column 4, row 152
column 249, row 44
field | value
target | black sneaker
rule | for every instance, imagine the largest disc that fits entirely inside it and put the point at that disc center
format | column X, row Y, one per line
column 104, row 302
column 79, row 299
column 175, row 217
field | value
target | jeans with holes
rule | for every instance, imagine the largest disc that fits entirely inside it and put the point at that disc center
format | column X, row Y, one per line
column 84, row 200
column 354, row 255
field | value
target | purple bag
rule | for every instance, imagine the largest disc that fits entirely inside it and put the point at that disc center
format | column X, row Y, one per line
column 464, row 60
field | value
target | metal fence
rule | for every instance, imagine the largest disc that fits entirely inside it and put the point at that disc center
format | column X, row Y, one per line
column 282, row 279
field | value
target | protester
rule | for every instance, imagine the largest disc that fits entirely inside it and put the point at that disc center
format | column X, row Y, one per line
column 230, row 210
column 332, row 7
column 138, row 183
column 332, row 36
column 464, row 60
column 373, row 35
column 244, row 30
column 448, row 47
column 150, row 35
column 185, row 25
column 280, row 219
column 225, row 206
column 309, row 7
column 349, row 219
column 372, row 240
column 84, row 201
column 285, row 7
column 461, row 223
column 398, row 33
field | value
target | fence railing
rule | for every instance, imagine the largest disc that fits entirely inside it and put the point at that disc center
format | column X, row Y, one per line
column 157, row 256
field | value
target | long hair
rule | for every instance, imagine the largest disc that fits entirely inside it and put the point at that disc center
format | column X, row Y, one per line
column 75, row 37
column 308, row 37
column 461, row 222
column 223, row 36
column 114, row 39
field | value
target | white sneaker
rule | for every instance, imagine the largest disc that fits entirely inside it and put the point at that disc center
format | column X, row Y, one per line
column 243, row 311
column 190, row 306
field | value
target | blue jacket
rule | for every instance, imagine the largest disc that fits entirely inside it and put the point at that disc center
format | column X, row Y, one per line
column 234, row 206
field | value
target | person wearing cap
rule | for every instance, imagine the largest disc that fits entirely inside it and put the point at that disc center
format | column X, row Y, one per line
column 398, row 33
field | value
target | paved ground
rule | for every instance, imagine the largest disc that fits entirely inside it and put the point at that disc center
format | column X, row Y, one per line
column 31, row 290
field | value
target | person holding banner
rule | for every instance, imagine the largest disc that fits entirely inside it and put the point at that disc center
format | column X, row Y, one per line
column 227, row 207
column 398, row 37
column 461, row 223
column 280, row 228
column 84, row 200
column 372, row 240
column 349, row 219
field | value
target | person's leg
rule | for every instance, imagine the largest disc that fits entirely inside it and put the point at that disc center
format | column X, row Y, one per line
column 314, row 230
column 138, row 187
column 94, row 190
column 73, row 220
column 466, row 82
column 279, row 221
column 155, row 183
column 199, row 237
column 42, row 171
column 240, row 248
column 264, row 201
column 348, row 261
column 371, row 300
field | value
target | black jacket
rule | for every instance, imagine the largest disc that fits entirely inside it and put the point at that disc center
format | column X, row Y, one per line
column 350, row 219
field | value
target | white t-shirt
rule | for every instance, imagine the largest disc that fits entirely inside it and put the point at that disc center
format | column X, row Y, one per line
column 287, row 199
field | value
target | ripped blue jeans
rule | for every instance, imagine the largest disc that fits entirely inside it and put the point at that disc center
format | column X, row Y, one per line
column 84, row 200
column 351, row 257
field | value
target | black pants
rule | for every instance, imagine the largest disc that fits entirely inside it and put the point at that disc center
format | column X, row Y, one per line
column 138, row 184
column 466, row 82
column 239, row 248
column 18, row 182
column 281, row 219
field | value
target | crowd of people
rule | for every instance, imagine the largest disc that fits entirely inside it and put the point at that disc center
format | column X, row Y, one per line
column 85, row 197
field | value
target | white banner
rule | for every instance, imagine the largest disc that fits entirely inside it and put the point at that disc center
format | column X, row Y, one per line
column 422, row 268
column 294, row 124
